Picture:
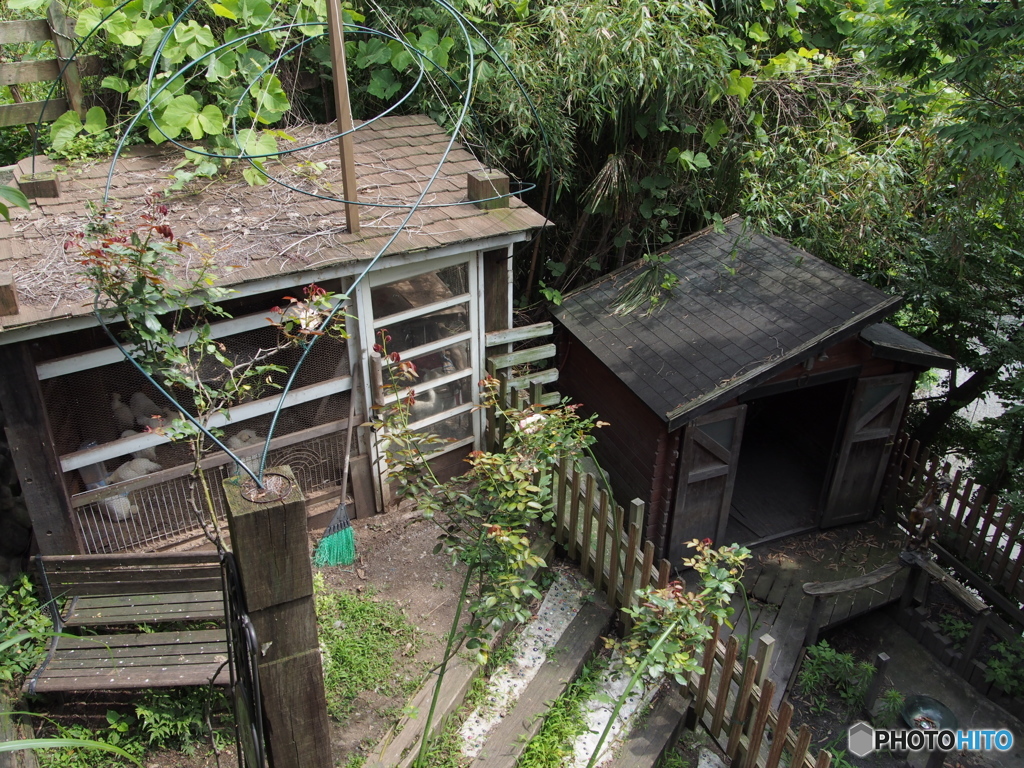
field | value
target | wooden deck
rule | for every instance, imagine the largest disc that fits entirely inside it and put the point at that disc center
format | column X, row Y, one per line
column 778, row 607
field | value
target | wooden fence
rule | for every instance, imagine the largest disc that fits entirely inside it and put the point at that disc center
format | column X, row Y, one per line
column 56, row 27
column 732, row 699
column 977, row 534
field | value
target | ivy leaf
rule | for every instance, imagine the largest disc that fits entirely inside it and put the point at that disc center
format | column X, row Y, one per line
column 756, row 32
column 371, row 52
column 114, row 83
column 223, row 11
column 211, row 120
column 383, row 84
column 179, row 113
column 739, row 85
column 271, row 100
column 64, row 129
column 714, row 132
column 95, row 120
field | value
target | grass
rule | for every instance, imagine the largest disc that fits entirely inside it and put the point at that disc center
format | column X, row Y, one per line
column 552, row 747
column 365, row 640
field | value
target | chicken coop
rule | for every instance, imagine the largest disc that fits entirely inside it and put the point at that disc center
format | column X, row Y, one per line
column 85, row 427
column 758, row 400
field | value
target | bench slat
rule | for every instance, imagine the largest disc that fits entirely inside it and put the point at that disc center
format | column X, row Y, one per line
column 133, row 560
column 142, row 639
column 138, row 677
column 125, row 587
column 149, row 575
column 140, row 660
column 114, row 656
column 141, row 609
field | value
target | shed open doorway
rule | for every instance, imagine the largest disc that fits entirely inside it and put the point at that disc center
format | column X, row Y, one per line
column 786, row 461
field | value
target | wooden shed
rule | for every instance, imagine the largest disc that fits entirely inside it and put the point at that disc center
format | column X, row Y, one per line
column 442, row 289
column 759, row 399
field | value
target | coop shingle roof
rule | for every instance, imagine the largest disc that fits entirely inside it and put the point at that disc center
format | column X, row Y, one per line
column 267, row 231
column 746, row 307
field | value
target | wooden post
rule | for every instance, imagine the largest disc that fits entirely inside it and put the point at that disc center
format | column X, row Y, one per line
column 8, row 295
column 814, row 623
column 487, row 189
column 33, row 453
column 973, row 643
column 343, row 108
column 913, row 583
column 765, row 647
column 272, row 549
column 63, row 41
column 875, row 686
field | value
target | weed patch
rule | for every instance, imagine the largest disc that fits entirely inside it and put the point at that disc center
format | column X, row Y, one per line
column 363, row 639
column 553, row 746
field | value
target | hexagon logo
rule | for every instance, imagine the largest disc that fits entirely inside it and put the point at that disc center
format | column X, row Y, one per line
column 860, row 739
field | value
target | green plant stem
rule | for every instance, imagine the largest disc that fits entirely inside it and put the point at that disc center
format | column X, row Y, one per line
column 750, row 623
column 629, row 687
column 425, row 738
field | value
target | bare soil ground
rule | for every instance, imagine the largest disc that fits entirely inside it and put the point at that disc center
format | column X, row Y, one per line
column 395, row 560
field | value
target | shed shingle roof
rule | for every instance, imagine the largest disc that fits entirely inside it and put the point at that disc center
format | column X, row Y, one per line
column 269, row 230
column 746, row 307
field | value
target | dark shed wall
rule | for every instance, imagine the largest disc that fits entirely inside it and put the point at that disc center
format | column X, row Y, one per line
column 635, row 449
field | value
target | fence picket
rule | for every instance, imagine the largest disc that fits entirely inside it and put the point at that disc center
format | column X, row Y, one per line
column 981, row 546
column 664, row 573
column 782, row 722
column 1006, row 553
column 951, row 498
column 722, row 695
column 1004, row 513
column 588, row 523
column 741, row 709
column 756, row 734
column 803, row 741
column 613, row 567
column 563, row 468
column 602, row 535
column 647, row 568
column 629, row 570
column 963, row 540
column 708, row 666
column 962, row 507
column 574, row 513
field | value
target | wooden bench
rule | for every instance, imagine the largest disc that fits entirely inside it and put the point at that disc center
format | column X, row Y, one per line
column 123, row 595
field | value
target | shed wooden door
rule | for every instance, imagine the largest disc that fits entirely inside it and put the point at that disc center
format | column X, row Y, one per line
column 707, row 472
column 871, row 424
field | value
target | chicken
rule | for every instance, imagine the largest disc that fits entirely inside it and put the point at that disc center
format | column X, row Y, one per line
column 142, row 406
column 145, row 453
column 133, row 469
column 122, row 413
column 118, row 507
column 244, row 439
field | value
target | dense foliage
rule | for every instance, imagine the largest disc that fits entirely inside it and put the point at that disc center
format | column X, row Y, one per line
column 882, row 135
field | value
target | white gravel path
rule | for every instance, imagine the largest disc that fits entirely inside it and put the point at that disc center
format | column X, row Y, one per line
column 560, row 606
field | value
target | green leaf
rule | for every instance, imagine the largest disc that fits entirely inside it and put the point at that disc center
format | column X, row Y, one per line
column 739, row 85
column 180, row 112
column 64, row 129
column 756, row 32
column 95, row 120
column 211, row 119
column 383, row 84
column 714, row 132
column 14, row 746
column 223, row 11
column 118, row 84
column 372, row 52
column 254, row 175
column 27, row 5
column 14, row 197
